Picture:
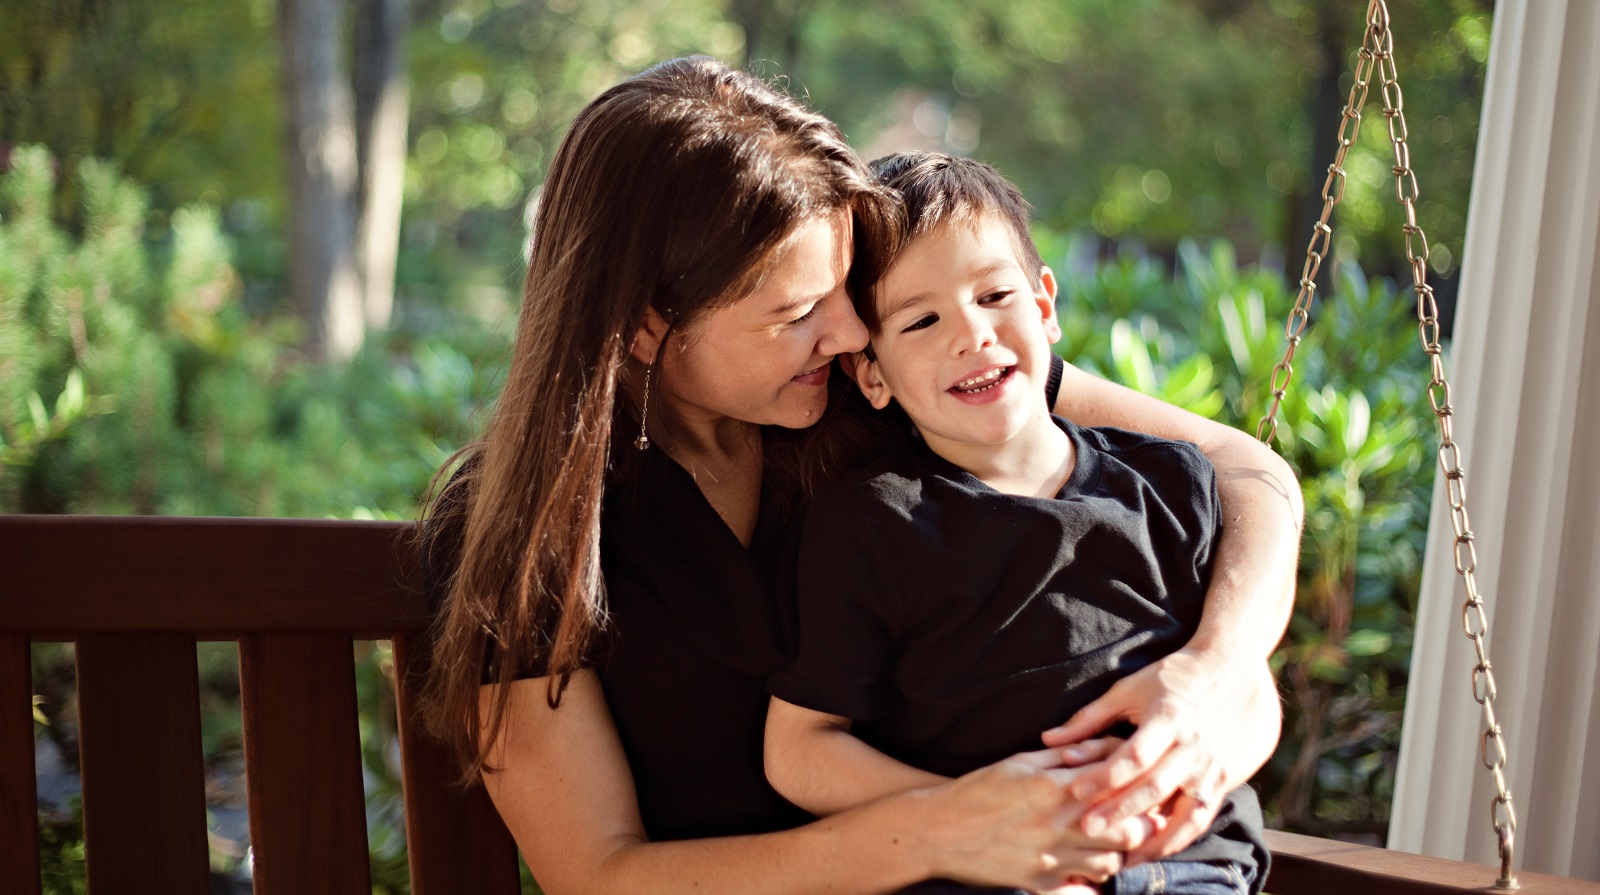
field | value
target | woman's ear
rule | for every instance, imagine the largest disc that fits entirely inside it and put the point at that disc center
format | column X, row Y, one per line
column 1047, row 304
column 647, row 339
column 870, row 383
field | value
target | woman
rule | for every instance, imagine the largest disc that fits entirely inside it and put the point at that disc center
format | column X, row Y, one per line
column 610, row 543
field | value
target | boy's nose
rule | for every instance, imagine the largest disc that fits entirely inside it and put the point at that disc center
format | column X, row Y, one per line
column 973, row 333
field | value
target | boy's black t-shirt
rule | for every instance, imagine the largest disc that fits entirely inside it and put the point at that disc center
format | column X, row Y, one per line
column 954, row 623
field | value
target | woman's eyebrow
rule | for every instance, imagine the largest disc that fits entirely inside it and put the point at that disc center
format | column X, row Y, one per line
column 789, row 307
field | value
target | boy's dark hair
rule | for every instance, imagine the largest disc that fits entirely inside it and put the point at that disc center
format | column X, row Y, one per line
column 936, row 189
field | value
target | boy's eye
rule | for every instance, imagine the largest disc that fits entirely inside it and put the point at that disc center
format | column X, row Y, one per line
column 922, row 322
column 996, row 296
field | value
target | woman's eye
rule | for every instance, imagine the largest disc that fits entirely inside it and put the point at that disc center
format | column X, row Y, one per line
column 810, row 312
column 922, row 322
column 996, row 296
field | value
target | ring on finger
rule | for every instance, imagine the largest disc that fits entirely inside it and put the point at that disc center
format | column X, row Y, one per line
column 1193, row 792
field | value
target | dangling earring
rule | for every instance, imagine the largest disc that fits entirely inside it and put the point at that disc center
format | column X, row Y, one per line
column 643, row 441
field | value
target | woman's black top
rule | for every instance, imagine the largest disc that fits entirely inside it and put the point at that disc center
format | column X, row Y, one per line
column 695, row 632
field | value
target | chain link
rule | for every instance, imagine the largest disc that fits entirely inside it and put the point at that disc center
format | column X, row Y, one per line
column 1376, row 59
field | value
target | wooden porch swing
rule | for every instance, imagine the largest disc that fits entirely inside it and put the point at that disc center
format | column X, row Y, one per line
column 136, row 594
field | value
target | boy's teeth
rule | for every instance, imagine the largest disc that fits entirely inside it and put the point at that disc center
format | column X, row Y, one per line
column 980, row 380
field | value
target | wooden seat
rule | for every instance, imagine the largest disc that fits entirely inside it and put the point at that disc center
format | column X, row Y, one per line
column 136, row 594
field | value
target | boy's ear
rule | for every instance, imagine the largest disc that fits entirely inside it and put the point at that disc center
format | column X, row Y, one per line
column 1047, row 304
column 870, row 383
column 648, row 337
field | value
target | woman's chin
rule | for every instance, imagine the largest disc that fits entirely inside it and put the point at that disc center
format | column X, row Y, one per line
column 800, row 411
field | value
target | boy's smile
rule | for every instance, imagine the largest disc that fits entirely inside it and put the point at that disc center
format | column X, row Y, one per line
column 963, row 343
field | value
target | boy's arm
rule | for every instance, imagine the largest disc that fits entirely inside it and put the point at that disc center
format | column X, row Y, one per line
column 815, row 762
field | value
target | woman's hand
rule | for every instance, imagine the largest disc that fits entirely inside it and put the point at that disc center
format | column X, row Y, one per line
column 1205, row 727
column 1013, row 824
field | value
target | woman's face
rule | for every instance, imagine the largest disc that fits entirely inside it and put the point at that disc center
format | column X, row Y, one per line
column 765, row 358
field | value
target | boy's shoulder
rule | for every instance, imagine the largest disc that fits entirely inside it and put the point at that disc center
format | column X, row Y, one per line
column 890, row 484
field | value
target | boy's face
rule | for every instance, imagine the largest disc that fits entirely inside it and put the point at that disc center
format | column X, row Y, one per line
column 964, row 337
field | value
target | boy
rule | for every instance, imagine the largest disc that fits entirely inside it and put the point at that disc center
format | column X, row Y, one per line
column 1007, row 567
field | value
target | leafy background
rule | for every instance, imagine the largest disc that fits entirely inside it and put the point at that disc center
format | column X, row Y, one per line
column 151, row 363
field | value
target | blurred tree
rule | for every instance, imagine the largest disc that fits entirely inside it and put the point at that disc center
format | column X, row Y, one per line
column 382, row 101
column 320, row 139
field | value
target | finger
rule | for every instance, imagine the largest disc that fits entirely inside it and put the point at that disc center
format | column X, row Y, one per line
column 1175, row 772
column 1075, row 885
column 1101, row 866
column 1082, row 865
column 1187, row 823
column 1134, row 759
column 1098, row 749
column 1041, row 760
column 1089, row 720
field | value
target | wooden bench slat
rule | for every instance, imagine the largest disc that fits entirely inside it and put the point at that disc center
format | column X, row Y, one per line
column 455, row 840
column 215, row 577
column 19, row 807
column 308, row 824
column 144, row 812
column 1306, row 865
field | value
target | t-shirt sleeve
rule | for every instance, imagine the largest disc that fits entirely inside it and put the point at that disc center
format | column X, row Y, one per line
column 1191, row 483
column 845, row 626
column 1206, row 507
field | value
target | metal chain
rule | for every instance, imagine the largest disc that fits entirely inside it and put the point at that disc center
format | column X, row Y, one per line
column 1321, row 234
column 1377, row 50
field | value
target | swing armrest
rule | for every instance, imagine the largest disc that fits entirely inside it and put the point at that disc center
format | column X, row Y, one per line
column 1306, row 865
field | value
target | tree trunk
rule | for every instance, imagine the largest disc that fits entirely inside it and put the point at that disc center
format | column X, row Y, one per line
column 321, row 156
column 382, row 95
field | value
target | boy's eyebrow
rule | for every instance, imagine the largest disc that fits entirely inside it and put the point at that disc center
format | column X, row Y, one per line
column 984, row 271
column 889, row 312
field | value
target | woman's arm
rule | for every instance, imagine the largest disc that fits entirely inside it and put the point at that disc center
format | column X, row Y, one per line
column 814, row 761
column 1194, row 730
column 565, row 791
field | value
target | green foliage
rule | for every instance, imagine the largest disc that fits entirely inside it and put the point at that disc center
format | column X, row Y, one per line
column 168, row 398
column 1353, row 426
column 61, row 853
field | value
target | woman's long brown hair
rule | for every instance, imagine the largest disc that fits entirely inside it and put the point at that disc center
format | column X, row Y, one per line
column 671, row 191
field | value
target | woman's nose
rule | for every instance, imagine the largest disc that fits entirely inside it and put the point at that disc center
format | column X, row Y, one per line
column 843, row 332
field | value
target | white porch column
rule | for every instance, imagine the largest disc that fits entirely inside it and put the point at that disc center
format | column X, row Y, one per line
column 1526, row 370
